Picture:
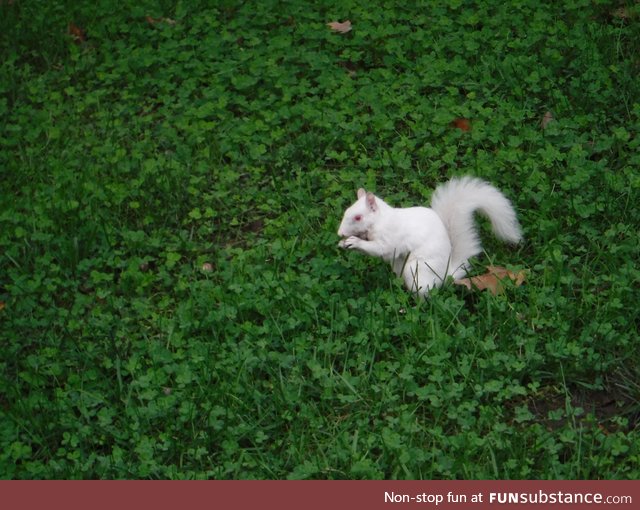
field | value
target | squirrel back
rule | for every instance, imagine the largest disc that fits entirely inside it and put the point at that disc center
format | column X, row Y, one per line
column 425, row 245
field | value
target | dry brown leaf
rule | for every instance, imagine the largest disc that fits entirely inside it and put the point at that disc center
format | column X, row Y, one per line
column 482, row 282
column 340, row 27
column 492, row 279
column 153, row 21
column 621, row 13
column 502, row 272
column 77, row 33
column 2, row 305
column 462, row 124
column 546, row 118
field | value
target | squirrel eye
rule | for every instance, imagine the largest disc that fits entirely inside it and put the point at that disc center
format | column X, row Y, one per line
column 358, row 217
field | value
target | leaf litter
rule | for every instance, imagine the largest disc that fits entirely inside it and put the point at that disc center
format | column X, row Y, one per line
column 492, row 279
column 340, row 27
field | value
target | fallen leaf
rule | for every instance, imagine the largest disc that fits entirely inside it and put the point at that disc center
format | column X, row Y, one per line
column 77, row 33
column 152, row 21
column 546, row 118
column 2, row 305
column 492, row 279
column 462, row 124
column 621, row 13
column 341, row 28
column 502, row 272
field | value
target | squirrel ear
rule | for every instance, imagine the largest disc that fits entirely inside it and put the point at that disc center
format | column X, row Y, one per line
column 361, row 192
column 371, row 201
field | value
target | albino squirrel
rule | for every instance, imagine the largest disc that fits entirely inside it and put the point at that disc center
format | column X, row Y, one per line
column 425, row 245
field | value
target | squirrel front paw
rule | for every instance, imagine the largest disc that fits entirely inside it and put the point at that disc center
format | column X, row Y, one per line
column 350, row 242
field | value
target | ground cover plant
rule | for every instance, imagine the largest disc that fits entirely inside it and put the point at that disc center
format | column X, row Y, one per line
column 173, row 303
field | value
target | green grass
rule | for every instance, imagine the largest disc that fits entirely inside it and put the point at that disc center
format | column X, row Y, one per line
column 236, row 137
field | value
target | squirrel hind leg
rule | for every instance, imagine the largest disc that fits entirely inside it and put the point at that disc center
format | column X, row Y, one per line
column 419, row 277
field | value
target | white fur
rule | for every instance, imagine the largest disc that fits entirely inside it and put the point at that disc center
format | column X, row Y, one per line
column 425, row 245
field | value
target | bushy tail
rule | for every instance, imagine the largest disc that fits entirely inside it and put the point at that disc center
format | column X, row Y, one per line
column 456, row 201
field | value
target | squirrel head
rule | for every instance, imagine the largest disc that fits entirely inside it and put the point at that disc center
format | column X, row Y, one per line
column 361, row 216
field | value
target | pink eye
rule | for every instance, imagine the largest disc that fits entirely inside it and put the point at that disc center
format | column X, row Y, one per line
column 358, row 217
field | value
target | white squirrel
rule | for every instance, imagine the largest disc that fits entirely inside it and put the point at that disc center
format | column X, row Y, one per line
column 425, row 245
